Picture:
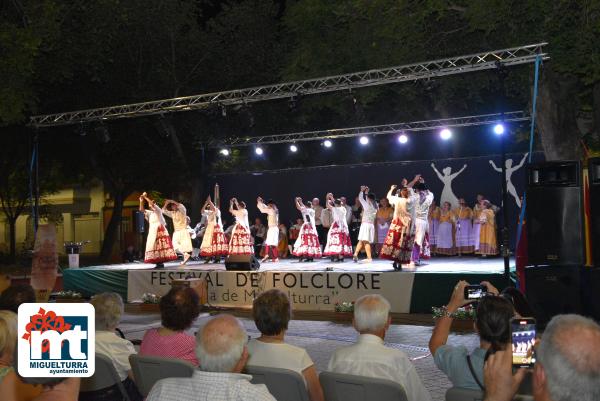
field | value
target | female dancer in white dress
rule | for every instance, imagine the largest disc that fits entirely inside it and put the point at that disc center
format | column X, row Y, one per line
column 214, row 246
column 307, row 244
column 366, row 234
column 159, row 248
column 338, row 238
column 445, row 239
column 239, row 244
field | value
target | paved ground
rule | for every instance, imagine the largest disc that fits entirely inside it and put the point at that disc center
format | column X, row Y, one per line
column 321, row 338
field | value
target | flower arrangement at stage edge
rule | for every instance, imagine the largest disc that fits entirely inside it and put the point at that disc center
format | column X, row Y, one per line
column 465, row 313
column 344, row 306
column 68, row 295
column 149, row 298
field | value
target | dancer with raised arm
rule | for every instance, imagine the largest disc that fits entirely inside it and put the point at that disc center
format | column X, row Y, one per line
column 422, row 203
column 159, row 248
column 338, row 238
column 272, row 240
column 307, row 244
column 366, row 234
column 182, row 242
column 214, row 246
column 398, row 244
column 239, row 244
column 447, row 178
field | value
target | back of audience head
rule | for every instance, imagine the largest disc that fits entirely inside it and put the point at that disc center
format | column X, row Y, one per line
column 569, row 355
column 8, row 334
column 109, row 309
column 372, row 315
column 272, row 312
column 15, row 295
column 179, row 308
column 493, row 315
column 519, row 302
column 221, row 345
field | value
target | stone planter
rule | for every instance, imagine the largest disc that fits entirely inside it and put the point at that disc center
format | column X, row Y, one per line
column 342, row 317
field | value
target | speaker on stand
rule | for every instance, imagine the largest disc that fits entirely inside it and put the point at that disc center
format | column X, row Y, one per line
column 591, row 276
column 242, row 263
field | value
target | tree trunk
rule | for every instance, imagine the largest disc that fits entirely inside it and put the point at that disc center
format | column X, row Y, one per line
column 112, row 230
column 12, row 224
column 557, row 116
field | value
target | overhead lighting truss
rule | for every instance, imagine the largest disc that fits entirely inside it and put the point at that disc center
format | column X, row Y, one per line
column 428, row 125
column 411, row 72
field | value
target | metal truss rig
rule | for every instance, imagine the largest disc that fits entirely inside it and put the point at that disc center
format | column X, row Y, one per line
column 429, row 125
column 411, row 72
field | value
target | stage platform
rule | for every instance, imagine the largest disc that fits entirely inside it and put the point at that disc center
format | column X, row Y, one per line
column 311, row 286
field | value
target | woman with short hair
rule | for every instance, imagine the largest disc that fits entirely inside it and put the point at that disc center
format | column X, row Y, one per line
column 178, row 310
column 272, row 312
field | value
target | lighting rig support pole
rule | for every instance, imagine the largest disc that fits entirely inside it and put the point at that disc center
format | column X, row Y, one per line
column 504, row 249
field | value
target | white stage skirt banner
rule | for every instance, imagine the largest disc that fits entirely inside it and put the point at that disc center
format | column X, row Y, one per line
column 306, row 290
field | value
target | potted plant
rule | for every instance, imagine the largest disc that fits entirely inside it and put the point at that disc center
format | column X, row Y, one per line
column 462, row 320
column 344, row 311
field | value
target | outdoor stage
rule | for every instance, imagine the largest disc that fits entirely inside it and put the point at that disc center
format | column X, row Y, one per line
column 310, row 286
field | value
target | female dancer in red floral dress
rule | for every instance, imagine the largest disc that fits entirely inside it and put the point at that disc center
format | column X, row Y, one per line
column 307, row 245
column 398, row 244
column 159, row 248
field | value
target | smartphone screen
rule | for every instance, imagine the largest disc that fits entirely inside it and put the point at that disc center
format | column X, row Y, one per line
column 523, row 340
column 475, row 291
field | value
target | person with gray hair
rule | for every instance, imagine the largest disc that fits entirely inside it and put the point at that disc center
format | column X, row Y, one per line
column 567, row 367
column 370, row 357
column 222, row 352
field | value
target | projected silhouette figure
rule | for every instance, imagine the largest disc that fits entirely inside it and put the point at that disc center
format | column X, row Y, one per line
column 510, row 169
column 446, row 178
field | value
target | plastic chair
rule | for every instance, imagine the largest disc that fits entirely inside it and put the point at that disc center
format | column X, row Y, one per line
column 104, row 376
column 342, row 387
column 463, row 394
column 147, row 370
column 283, row 384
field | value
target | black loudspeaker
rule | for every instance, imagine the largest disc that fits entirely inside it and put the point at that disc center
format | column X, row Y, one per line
column 138, row 221
column 553, row 290
column 242, row 263
column 555, row 226
column 594, row 176
column 590, row 292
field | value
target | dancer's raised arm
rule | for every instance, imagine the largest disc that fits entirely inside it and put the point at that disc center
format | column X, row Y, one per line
column 299, row 204
column 518, row 166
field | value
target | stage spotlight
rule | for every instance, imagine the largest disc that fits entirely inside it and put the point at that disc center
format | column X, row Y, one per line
column 498, row 129
column 293, row 148
column 327, row 143
column 259, row 151
column 445, row 134
column 402, row 138
column 224, row 152
column 364, row 140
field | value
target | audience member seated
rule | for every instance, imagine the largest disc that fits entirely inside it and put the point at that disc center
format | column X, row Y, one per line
column 492, row 323
column 15, row 295
column 272, row 312
column 370, row 357
column 11, row 385
column 178, row 310
column 567, row 366
column 109, row 309
column 222, row 352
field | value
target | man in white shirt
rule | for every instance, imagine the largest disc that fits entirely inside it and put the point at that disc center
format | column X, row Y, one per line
column 318, row 224
column 272, row 240
column 370, row 357
column 222, row 352
column 182, row 242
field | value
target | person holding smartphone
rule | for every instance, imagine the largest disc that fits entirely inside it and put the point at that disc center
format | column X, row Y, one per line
column 464, row 368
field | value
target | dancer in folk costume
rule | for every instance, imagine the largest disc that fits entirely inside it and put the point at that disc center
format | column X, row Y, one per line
column 307, row 244
column 488, row 245
column 182, row 242
column 214, row 245
column 477, row 209
column 464, row 228
column 434, row 223
column 338, row 238
column 445, row 239
column 239, row 243
column 159, row 248
column 272, row 240
column 422, row 199
column 398, row 242
column 366, row 234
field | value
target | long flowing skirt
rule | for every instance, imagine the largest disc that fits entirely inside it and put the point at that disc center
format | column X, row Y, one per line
column 464, row 236
column 445, row 240
column 398, row 243
column 382, row 230
column 240, row 241
column 182, row 241
column 206, row 245
column 487, row 240
column 218, row 244
column 161, row 250
column 476, row 234
column 307, row 244
column 367, row 232
column 433, row 229
column 338, row 242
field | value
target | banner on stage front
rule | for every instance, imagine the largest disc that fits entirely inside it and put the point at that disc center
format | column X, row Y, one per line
column 307, row 290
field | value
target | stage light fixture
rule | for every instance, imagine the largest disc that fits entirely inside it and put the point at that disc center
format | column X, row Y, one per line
column 259, row 151
column 402, row 138
column 498, row 129
column 445, row 134
column 293, row 148
column 364, row 140
column 224, row 152
column 327, row 143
